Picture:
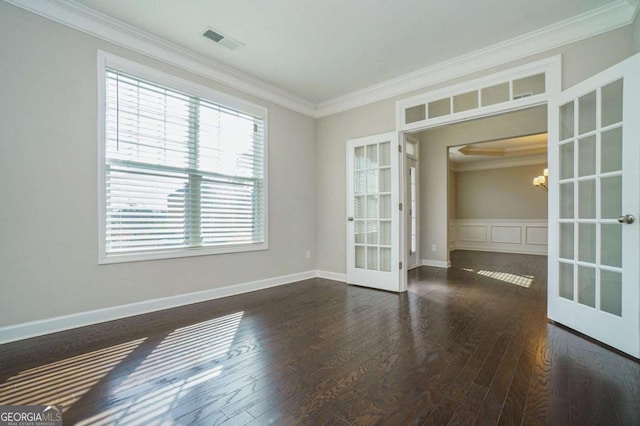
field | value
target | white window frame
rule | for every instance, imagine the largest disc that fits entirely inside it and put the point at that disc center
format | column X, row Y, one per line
column 107, row 60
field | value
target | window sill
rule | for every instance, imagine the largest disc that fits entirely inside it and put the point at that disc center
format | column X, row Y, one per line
column 106, row 259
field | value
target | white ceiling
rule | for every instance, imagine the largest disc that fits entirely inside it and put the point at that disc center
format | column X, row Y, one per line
column 323, row 49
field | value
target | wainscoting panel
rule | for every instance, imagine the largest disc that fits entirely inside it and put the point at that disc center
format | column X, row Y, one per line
column 537, row 235
column 472, row 233
column 499, row 235
column 506, row 234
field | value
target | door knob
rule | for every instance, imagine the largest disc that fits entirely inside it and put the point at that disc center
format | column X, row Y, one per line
column 350, row 219
column 627, row 218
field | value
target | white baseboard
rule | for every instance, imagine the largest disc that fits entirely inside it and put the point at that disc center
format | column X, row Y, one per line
column 67, row 322
column 436, row 263
column 335, row 276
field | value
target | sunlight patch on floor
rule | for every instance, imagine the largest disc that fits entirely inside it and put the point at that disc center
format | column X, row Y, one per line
column 183, row 360
column 519, row 280
column 148, row 406
column 185, row 348
column 63, row 382
column 186, row 358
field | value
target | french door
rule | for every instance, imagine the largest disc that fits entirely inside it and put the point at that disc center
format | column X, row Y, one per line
column 373, row 213
column 594, row 135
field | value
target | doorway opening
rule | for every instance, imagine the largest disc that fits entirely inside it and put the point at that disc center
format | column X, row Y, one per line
column 488, row 201
column 492, row 202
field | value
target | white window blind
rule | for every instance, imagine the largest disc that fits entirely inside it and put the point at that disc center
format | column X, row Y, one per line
column 181, row 172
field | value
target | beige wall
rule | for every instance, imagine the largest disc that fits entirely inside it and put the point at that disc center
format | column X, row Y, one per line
column 505, row 193
column 48, row 185
column 580, row 60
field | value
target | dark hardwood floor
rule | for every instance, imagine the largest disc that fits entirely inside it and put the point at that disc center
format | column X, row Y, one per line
column 468, row 345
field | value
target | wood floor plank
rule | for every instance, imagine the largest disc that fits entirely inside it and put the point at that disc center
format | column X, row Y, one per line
column 493, row 403
column 466, row 412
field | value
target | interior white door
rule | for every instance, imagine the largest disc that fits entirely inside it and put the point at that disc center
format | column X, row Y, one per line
column 373, row 214
column 411, row 219
column 594, row 135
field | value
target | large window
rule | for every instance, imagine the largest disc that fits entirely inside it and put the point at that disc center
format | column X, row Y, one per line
column 183, row 173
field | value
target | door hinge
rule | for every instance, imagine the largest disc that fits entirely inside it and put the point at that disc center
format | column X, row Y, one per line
column 400, row 266
column 399, row 148
column 400, row 206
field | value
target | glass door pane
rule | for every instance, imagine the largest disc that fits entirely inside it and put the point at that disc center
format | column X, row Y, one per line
column 372, row 200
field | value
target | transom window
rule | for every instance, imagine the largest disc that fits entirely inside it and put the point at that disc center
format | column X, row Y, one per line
column 183, row 174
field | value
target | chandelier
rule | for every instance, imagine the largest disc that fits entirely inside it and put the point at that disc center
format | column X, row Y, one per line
column 541, row 181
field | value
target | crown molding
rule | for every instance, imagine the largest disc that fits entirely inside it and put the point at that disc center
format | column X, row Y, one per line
column 89, row 21
column 593, row 23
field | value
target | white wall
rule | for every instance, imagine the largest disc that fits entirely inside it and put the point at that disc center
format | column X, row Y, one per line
column 48, row 185
column 505, row 193
column 580, row 60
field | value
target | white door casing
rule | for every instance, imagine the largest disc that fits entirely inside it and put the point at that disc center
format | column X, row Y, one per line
column 411, row 201
column 374, row 240
column 411, row 218
column 594, row 162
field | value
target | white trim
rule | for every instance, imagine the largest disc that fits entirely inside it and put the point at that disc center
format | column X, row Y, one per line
column 335, row 276
column 67, row 322
column 94, row 23
column 139, row 256
column 82, row 18
column 598, row 21
column 550, row 67
column 499, row 164
column 409, row 139
column 436, row 263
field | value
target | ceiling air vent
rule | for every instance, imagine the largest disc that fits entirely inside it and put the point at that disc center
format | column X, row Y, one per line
column 222, row 39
